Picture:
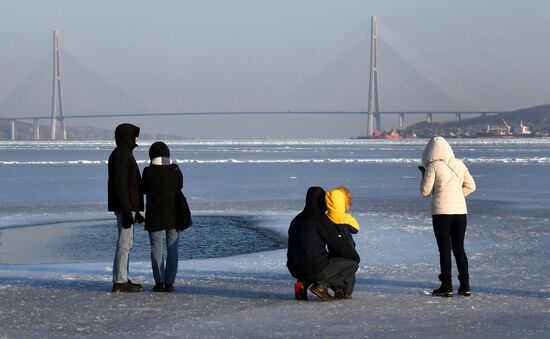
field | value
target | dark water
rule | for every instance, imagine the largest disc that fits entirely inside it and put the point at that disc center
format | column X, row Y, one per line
column 209, row 237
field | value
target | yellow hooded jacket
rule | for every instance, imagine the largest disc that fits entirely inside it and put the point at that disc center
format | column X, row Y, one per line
column 336, row 209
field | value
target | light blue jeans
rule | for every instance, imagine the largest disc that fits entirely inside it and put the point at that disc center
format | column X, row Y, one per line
column 161, row 273
column 124, row 244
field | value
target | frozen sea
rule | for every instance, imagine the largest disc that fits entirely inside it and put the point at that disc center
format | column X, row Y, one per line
column 57, row 242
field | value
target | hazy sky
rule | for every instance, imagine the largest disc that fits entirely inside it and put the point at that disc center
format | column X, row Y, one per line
column 279, row 55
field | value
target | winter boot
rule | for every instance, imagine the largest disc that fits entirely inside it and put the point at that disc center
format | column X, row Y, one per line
column 321, row 292
column 339, row 293
column 464, row 288
column 300, row 290
column 445, row 290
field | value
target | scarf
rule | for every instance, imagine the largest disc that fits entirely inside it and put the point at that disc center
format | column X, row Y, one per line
column 161, row 161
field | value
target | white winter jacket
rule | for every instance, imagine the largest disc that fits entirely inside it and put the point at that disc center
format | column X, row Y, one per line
column 447, row 179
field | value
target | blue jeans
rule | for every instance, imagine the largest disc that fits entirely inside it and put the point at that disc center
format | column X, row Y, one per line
column 164, row 273
column 124, row 244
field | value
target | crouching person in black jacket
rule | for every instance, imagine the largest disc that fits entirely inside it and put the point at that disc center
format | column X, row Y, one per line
column 162, row 181
column 125, row 200
column 310, row 234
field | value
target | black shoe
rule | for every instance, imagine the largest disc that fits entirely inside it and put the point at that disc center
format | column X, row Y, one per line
column 169, row 288
column 464, row 288
column 118, row 287
column 300, row 290
column 159, row 287
column 126, row 287
column 136, row 285
column 321, row 292
column 445, row 290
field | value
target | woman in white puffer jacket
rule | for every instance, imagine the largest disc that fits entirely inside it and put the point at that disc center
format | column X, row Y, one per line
column 448, row 181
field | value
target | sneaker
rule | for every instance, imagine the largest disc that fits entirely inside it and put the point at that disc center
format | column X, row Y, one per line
column 321, row 292
column 126, row 287
column 159, row 287
column 300, row 290
column 169, row 288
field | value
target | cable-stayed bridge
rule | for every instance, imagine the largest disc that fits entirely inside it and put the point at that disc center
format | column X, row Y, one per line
column 372, row 113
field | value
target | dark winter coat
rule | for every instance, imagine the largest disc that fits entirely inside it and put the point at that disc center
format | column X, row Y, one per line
column 310, row 234
column 345, row 231
column 124, row 178
column 160, row 184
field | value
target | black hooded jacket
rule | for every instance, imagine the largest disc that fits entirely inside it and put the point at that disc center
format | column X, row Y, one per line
column 310, row 234
column 124, row 177
column 160, row 184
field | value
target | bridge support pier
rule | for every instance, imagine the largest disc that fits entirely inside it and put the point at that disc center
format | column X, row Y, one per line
column 374, row 99
column 13, row 130
column 378, row 121
column 401, row 121
column 56, row 91
column 63, row 130
column 429, row 118
column 36, row 127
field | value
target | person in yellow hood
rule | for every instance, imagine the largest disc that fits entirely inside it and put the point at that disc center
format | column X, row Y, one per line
column 338, row 203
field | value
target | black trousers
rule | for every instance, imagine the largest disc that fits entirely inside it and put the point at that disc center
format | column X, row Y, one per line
column 337, row 271
column 449, row 230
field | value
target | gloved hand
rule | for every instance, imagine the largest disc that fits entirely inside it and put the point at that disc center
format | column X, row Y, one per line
column 127, row 219
column 139, row 218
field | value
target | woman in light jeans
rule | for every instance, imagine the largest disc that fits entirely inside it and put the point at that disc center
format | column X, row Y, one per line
column 161, row 180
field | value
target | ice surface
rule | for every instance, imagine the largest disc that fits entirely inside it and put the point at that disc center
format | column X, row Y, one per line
column 251, row 295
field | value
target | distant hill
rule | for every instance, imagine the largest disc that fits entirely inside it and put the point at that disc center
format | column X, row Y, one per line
column 25, row 131
column 537, row 118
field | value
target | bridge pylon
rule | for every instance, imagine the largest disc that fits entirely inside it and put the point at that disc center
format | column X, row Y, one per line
column 56, row 91
column 374, row 99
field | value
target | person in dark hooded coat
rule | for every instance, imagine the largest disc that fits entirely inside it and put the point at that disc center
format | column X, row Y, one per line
column 316, row 254
column 125, row 200
column 161, row 181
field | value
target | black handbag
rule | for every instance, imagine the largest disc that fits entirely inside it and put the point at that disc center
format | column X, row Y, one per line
column 183, row 213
